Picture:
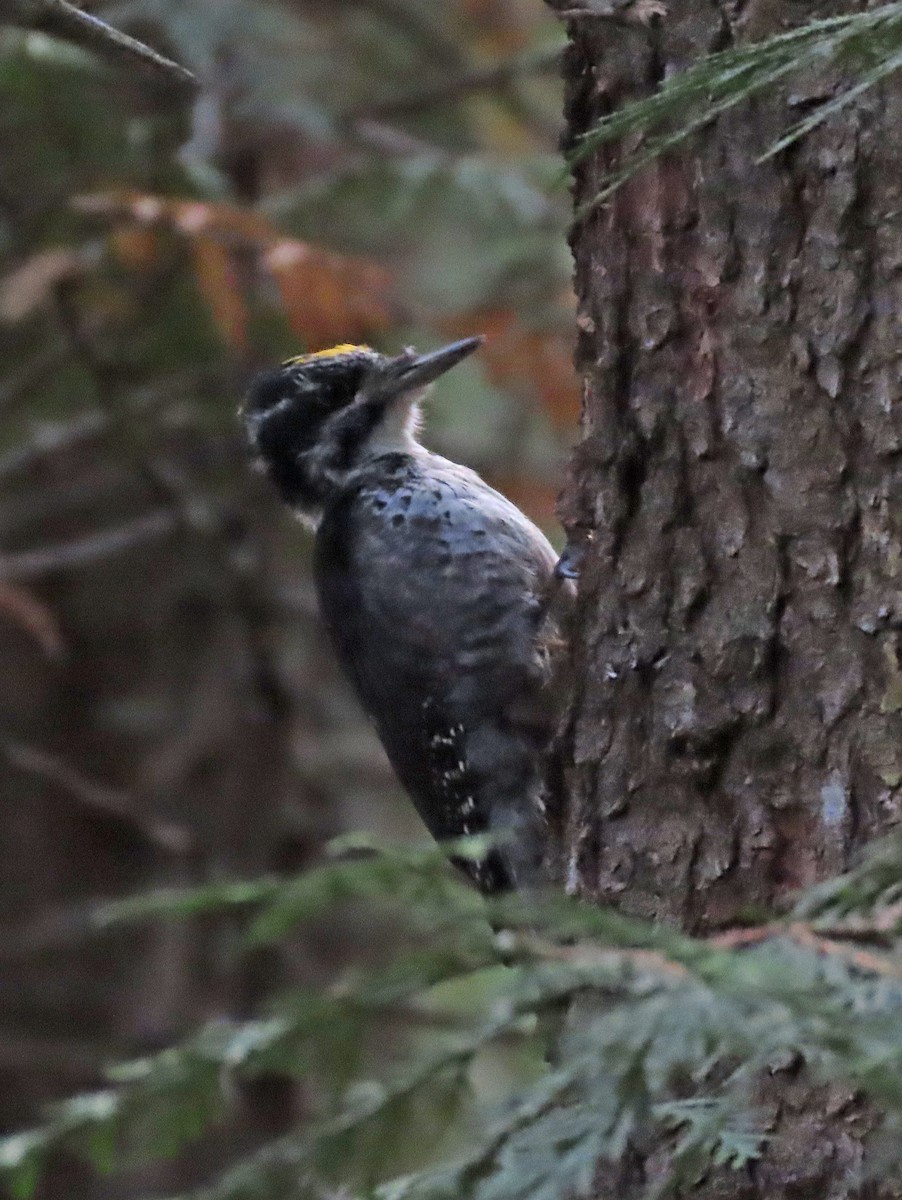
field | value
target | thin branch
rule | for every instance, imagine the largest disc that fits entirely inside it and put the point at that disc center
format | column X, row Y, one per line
column 24, row 609
column 99, row 797
column 50, row 438
column 62, row 19
column 398, row 142
column 65, row 555
column 804, row 935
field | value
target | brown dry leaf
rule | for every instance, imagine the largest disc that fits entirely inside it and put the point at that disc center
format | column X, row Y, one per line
column 137, row 249
column 196, row 218
column 327, row 297
column 31, row 285
column 214, row 269
column 24, row 609
column 538, row 362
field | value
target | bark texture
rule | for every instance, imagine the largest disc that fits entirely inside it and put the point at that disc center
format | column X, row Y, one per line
column 737, row 731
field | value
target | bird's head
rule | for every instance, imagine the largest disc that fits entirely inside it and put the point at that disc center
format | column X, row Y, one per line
column 313, row 420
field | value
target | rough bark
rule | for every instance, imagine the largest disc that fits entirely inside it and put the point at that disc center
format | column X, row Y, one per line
column 736, row 732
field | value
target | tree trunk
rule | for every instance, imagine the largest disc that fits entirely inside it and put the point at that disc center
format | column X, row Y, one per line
column 736, row 732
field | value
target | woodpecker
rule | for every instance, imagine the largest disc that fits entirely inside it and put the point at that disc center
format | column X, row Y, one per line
column 435, row 590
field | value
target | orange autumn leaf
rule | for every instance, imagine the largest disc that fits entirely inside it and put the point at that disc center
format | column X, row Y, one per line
column 533, row 362
column 326, row 297
column 329, row 297
column 214, row 269
column 194, row 218
column 137, row 249
column 197, row 218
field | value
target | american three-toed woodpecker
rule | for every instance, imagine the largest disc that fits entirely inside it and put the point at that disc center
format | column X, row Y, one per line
column 432, row 585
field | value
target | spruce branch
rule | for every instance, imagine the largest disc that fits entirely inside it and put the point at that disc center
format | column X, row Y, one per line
column 664, row 1035
column 867, row 45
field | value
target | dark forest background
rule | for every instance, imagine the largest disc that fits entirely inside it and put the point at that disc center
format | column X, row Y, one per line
column 169, row 712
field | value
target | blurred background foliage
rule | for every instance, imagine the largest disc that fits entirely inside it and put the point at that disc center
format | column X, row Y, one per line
column 380, row 171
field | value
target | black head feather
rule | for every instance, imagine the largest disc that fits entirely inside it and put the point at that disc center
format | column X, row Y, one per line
column 287, row 408
column 310, row 422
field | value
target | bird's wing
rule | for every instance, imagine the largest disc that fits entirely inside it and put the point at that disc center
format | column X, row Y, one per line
column 432, row 586
column 432, row 576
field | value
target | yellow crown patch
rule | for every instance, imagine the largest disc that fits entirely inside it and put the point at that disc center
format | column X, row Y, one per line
column 332, row 352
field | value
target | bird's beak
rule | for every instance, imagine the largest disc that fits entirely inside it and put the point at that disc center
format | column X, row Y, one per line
column 420, row 370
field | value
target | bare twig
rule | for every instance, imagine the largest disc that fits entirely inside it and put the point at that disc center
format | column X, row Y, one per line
column 391, row 140
column 50, row 438
column 99, row 797
column 64, row 20
column 65, row 555
column 24, row 609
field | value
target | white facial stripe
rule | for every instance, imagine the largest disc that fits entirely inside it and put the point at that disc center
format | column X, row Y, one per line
column 254, row 420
